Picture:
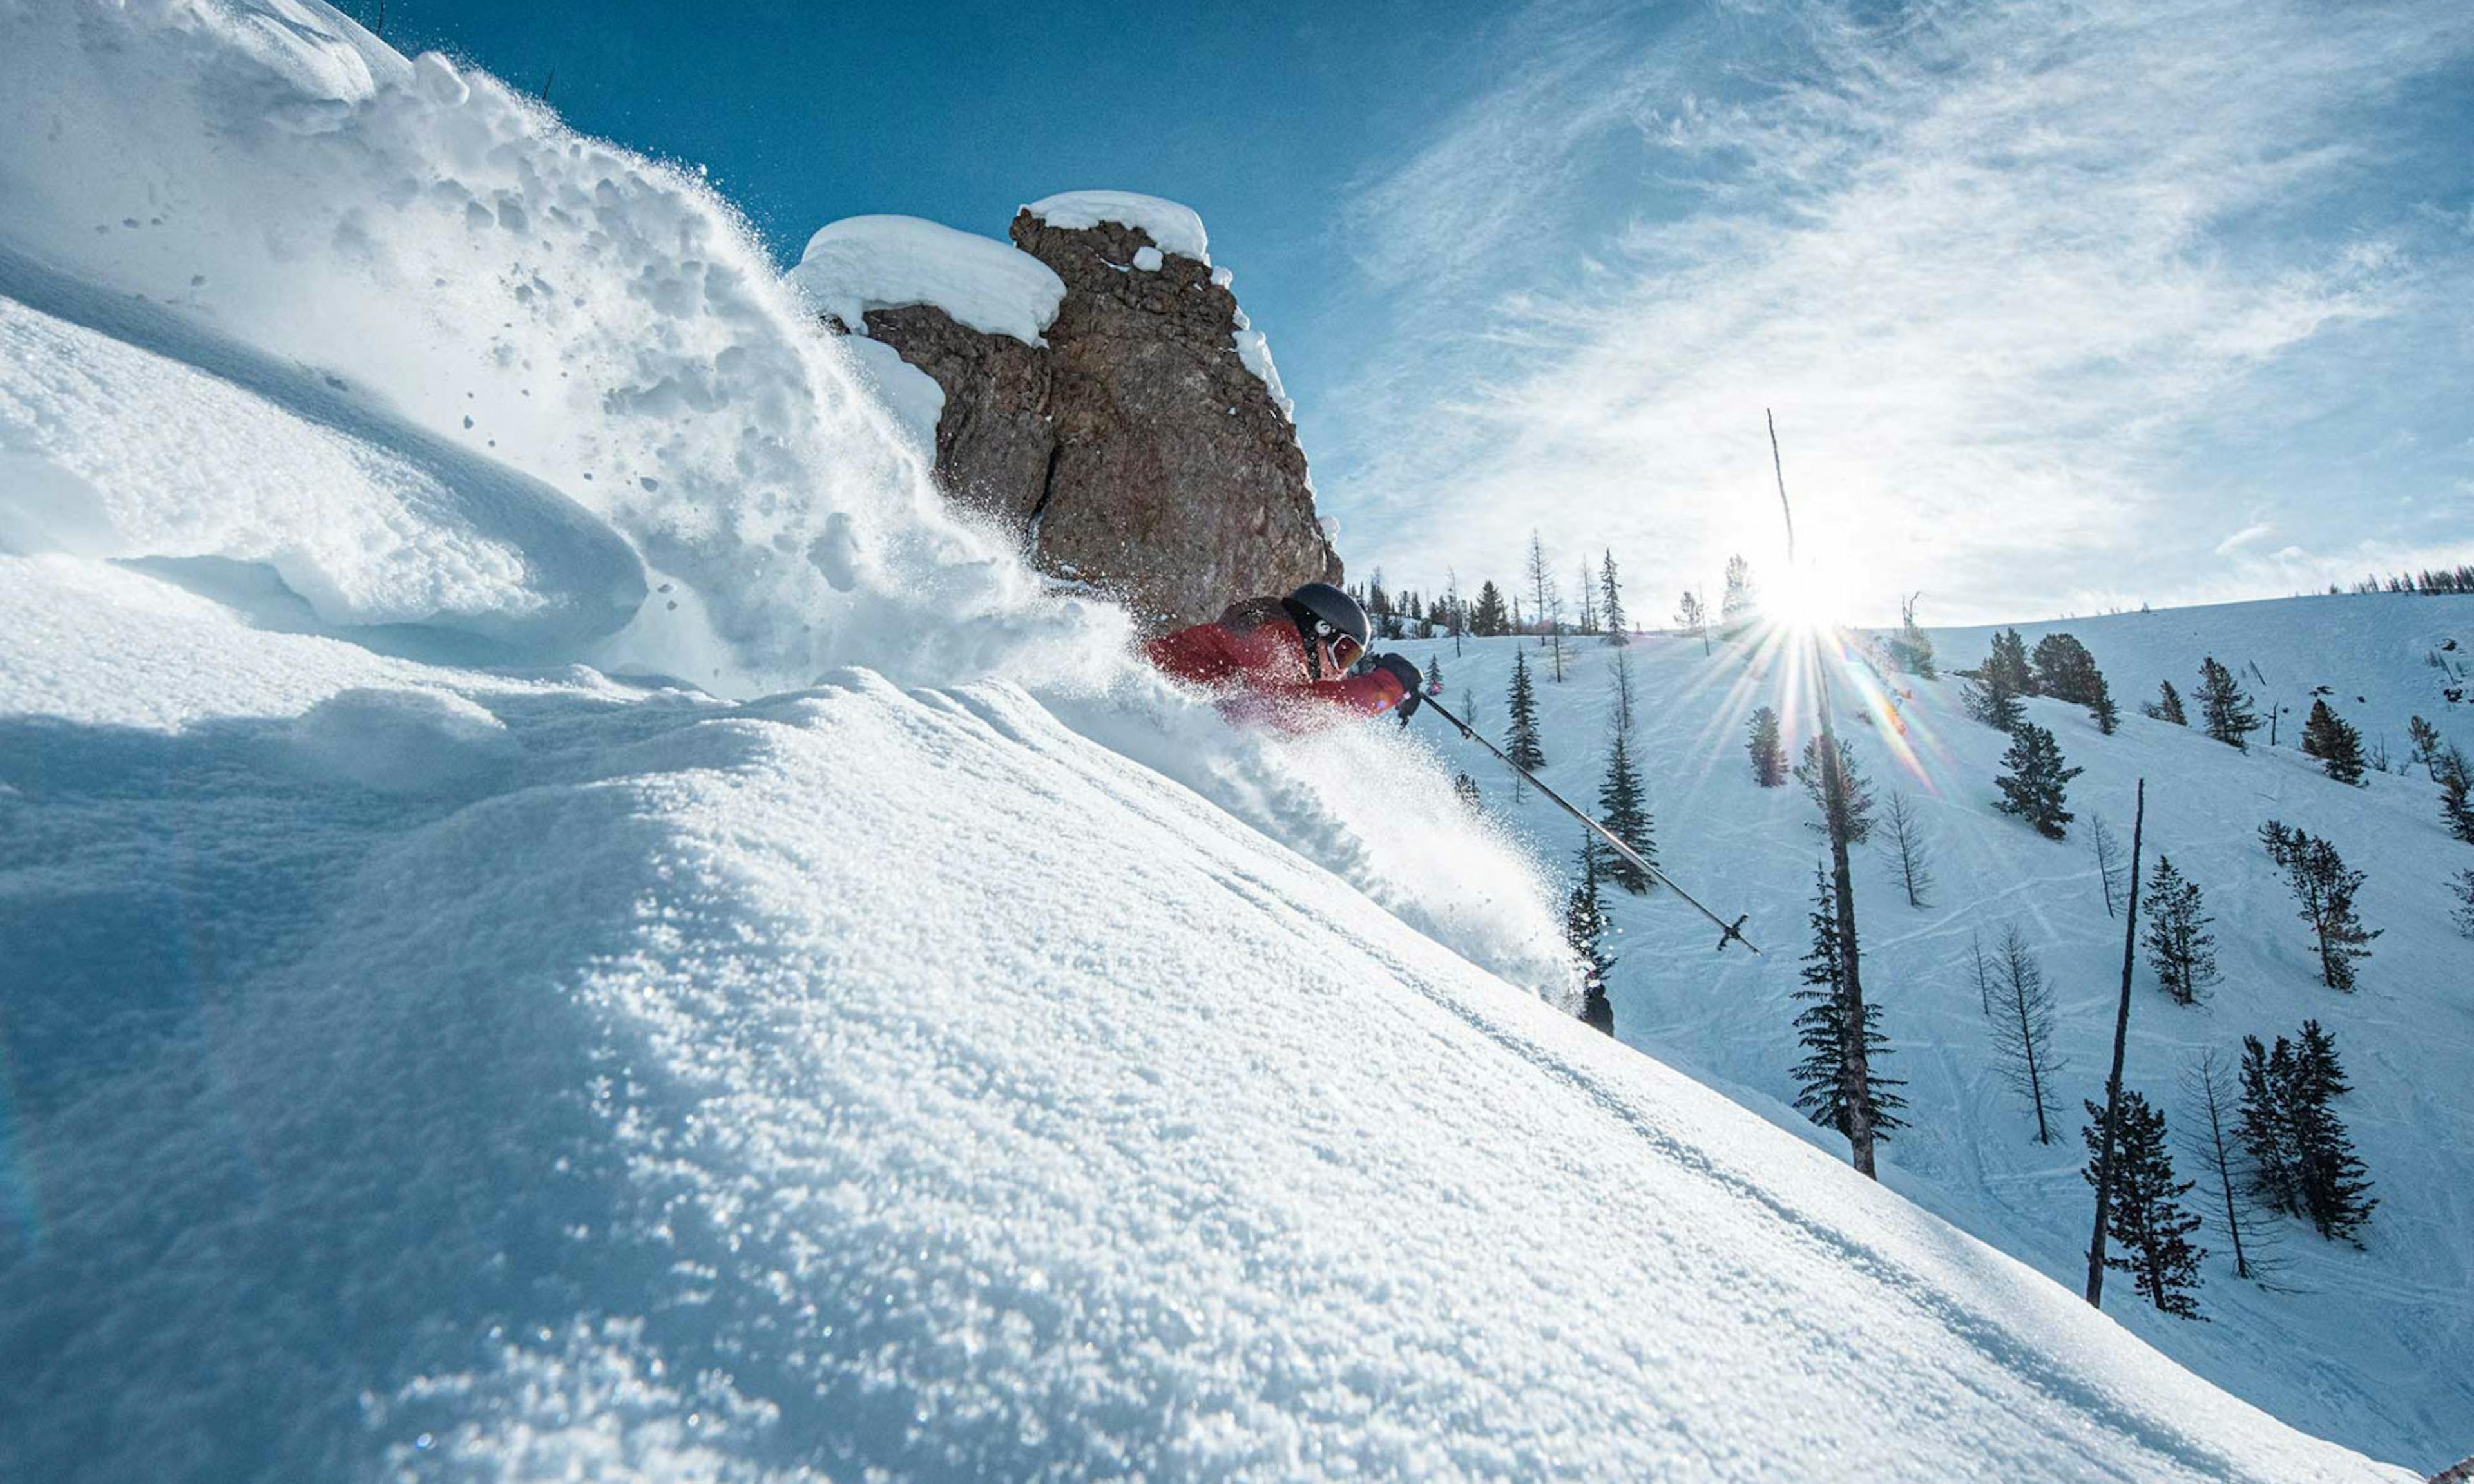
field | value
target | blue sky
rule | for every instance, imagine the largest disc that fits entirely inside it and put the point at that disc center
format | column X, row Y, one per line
column 2060, row 306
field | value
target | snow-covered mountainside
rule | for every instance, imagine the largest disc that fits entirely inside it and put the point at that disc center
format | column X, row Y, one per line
column 439, row 1046
column 2374, row 1347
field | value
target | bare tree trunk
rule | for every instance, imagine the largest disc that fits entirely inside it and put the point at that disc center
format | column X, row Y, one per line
column 2112, row 1082
column 1854, row 1074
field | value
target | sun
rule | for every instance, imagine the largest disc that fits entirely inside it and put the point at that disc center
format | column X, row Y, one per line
column 1812, row 598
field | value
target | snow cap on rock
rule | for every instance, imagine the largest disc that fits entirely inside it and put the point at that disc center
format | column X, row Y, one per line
column 1175, row 229
column 884, row 262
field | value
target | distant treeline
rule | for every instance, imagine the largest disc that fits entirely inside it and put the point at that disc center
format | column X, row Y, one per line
column 2446, row 578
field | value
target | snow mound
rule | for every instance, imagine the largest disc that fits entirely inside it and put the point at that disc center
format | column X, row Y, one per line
column 884, row 262
column 1255, row 351
column 1173, row 229
column 433, row 252
column 401, row 741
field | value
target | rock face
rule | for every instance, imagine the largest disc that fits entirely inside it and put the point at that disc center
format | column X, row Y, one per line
column 1135, row 449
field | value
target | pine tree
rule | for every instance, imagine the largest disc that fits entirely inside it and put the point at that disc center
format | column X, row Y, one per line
column 1465, row 788
column 1856, row 795
column 1997, row 686
column 2211, row 1101
column 2009, row 661
column 1623, row 715
column 2021, row 1006
column 2065, row 670
column 1623, row 808
column 2106, row 715
column 2168, row 704
column 1585, row 930
column 2334, row 1187
column 1435, row 676
column 1611, row 609
column 2180, row 949
column 2263, row 1131
column 1909, row 850
column 1741, row 601
column 2324, row 889
column 1488, row 619
column 1521, row 741
column 2149, row 1228
column 2109, row 868
column 2224, row 709
column 2037, row 784
column 1589, row 622
column 1820, row 1077
column 2456, row 778
column 1769, row 754
column 2464, row 912
column 2335, row 742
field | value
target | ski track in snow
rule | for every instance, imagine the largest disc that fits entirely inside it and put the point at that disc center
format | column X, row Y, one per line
column 938, row 1052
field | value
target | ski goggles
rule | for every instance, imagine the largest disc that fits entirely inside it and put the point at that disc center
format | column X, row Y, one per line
column 1342, row 648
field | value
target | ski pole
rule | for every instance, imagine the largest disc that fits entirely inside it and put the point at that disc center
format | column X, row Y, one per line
column 1727, row 932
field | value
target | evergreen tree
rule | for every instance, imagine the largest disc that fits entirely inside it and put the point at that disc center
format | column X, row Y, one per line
column 2464, row 912
column 1611, row 609
column 1820, row 1076
column 1584, row 930
column 1909, row 850
column 1488, row 619
column 2037, row 784
column 2334, row 1186
column 2324, row 889
column 2263, row 1131
column 2021, row 1006
column 2224, row 709
column 1623, row 808
column 1623, row 717
column 1741, row 601
column 1435, row 676
column 1769, row 754
column 2456, row 778
column 2065, row 670
column 1521, row 741
column 1992, row 697
column 2334, row 741
column 1856, row 795
column 2150, row 1231
column 1588, row 600
column 2180, row 949
column 2168, row 704
column 2106, row 715
column 2009, row 661
column 2301, row 1157
column 1465, row 788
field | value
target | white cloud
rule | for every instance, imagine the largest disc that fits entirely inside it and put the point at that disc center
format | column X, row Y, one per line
column 1975, row 258
column 2244, row 537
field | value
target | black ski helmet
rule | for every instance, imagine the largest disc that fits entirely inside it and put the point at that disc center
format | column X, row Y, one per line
column 1325, row 611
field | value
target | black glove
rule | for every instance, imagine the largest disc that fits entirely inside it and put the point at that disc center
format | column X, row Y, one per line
column 1399, row 668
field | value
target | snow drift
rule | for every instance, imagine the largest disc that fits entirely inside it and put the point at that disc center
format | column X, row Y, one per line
column 973, row 1063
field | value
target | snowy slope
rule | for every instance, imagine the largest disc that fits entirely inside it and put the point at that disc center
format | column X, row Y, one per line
column 2376, row 1351
column 931, row 1050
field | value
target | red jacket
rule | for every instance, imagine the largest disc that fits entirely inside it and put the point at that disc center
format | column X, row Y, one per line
column 1256, row 655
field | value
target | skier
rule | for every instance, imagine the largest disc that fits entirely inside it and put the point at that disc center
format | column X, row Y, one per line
column 1286, row 659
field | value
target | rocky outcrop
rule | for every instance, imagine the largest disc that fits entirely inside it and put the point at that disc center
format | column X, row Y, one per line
column 1135, row 449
